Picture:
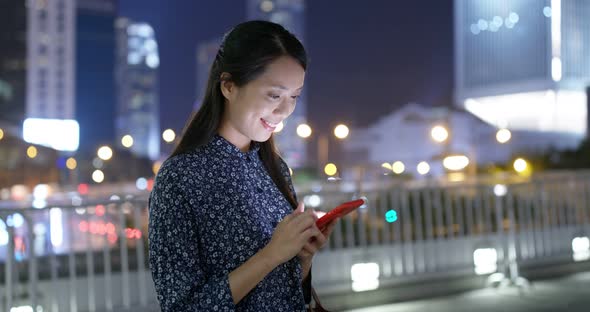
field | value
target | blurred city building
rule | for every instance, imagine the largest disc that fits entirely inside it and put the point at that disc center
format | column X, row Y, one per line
column 26, row 164
column 58, row 90
column 51, row 73
column 523, row 64
column 290, row 14
column 13, row 61
column 70, row 57
column 406, row 136
column 138, row 107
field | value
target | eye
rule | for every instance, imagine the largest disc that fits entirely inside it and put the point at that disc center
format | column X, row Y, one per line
column 295, row 97
column 274, row 96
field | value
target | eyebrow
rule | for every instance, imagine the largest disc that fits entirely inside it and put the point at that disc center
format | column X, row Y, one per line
column 283, row 87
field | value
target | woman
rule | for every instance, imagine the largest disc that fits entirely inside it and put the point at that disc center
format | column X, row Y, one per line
column 225, row 230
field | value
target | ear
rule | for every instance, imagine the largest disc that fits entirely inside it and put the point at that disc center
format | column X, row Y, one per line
column 228, row 88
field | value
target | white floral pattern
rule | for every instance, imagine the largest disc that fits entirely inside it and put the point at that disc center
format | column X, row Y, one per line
column 211, row 210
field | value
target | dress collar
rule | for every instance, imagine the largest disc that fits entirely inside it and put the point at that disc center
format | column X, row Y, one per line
column 221, row 144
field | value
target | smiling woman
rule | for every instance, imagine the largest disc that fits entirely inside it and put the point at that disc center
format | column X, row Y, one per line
column 225, row 231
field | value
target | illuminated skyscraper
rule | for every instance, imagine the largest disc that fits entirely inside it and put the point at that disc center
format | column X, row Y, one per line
column 137, row 82
column 524, row 64
column 50, row 84
column 70, row 87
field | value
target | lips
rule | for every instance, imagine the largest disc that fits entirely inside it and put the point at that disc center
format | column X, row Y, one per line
column 271, row 124
column 268, row 125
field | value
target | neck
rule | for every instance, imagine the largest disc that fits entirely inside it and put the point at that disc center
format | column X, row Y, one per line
column 234, row 137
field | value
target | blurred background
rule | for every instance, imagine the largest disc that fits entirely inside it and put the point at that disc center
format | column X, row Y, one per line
column 463, row 123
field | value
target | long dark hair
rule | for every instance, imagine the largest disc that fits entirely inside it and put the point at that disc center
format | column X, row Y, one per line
column 244, row 54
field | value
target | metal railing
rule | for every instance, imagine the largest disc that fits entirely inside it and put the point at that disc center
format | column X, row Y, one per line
column 88, row 257
column 93, row 256
column 442, row 229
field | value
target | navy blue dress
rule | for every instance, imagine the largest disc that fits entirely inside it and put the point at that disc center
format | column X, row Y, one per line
column 211, row 210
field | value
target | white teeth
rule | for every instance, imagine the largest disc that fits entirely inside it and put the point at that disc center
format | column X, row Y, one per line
column 270, row 123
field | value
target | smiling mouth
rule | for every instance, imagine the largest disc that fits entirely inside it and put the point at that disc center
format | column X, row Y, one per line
column 269, row 125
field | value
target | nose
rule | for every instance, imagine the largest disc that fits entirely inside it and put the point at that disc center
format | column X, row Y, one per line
column 284, row 109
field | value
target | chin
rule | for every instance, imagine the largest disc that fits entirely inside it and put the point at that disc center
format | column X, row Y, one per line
column 262, row 137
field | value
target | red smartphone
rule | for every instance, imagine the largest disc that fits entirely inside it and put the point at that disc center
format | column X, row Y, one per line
column 338, row 212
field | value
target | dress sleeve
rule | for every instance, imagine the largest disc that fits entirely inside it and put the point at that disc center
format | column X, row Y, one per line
column 306, row 284
column 174, row 254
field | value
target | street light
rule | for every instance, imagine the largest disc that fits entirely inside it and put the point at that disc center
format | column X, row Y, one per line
column 398, row 167
column 71, row 163
column 32, row 152
column 127, row 141
column 168, row 135
column 1, row 134
column 97, row 176
column 520, row 165
column 330, row 169
column 266, row 6
column 341, row 131
column 503, row 136
column 439, row 133
column 304, row 131
column 423, row 168
column 104, row 153
column 455, row 162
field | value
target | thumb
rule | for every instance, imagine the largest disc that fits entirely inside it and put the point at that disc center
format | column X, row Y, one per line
column 300, row 208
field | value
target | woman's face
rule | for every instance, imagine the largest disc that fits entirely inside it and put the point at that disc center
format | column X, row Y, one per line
column 254, row 110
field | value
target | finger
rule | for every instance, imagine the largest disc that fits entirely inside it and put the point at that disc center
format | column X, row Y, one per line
column 297, row 211
column 303, row 221
column 312, row 212
column 320, row 241
column 309, row 233
column 300, row 208
column 307, row 248
column 288, row 218
column 310, row 248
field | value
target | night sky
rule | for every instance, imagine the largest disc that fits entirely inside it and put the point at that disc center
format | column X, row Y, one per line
column 367, row 58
